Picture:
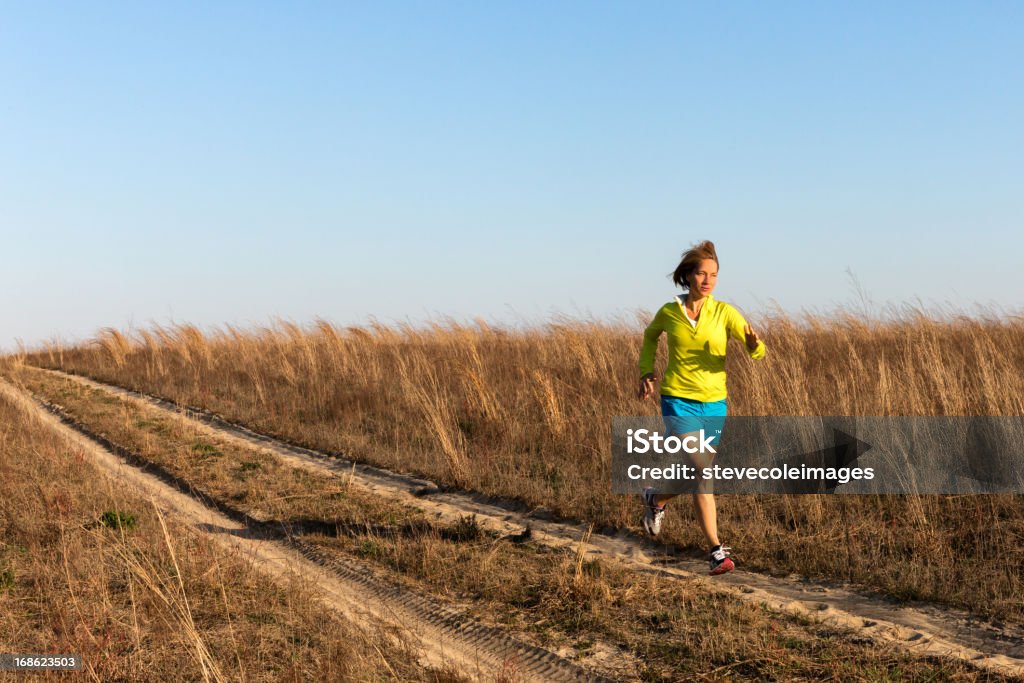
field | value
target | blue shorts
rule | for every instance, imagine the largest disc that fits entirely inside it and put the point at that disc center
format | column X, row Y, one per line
column 684, row 415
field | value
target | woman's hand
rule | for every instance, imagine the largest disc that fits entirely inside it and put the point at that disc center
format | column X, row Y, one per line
column 646, row 386
column 752, row 339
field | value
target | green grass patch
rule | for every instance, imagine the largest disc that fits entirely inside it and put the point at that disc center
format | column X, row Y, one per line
column 6, row 579
column 370, row 549
column 116, row 519
column 206, row 449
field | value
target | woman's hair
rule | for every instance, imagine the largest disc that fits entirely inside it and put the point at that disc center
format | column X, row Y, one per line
column 691, row 259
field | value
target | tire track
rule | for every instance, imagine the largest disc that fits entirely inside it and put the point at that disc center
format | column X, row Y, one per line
column 445, row 635
column 922, row 628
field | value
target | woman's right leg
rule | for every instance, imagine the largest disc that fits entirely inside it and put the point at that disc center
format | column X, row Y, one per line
column 704, row 499
column 707, row 517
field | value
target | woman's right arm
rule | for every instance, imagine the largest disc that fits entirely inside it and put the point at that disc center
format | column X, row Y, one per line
column 647, row 353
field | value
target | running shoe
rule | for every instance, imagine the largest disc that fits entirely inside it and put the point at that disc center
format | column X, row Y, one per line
column 653, row 514
column 719, row 561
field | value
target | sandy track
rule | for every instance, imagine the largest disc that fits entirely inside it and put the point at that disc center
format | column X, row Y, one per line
column 445, row 637
column 924, row 629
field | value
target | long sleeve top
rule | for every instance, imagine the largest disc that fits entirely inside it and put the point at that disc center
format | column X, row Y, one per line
column 696, row 354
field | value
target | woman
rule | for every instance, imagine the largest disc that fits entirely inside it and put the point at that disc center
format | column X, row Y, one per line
column 693, row 390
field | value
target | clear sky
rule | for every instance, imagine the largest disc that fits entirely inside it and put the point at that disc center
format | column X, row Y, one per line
column 228, row 162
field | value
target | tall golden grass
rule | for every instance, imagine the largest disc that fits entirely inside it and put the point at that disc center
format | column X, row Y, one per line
column 526, row 413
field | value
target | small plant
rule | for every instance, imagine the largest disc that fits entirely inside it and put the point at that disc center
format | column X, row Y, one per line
column 583, row 645
column 6, row 579
column 466, row 529
column 207, row 449
column 115, row 519
column 369, row 549
column 242, row 471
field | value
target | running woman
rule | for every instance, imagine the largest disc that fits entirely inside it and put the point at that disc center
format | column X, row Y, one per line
column 693, row 390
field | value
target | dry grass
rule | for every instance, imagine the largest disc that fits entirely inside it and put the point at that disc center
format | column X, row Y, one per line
column 525, row 414
column 86, row 568
column 640, row 627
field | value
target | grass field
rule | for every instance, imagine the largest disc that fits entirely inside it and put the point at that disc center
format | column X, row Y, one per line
column 525, row 414
column 638, row 626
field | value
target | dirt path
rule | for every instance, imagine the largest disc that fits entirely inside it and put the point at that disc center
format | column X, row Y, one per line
column 444, row 636
column 924, row 629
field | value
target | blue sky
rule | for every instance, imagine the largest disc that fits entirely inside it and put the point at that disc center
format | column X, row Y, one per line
column 230, row 162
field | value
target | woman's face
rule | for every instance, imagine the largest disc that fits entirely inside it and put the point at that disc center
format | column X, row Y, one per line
column 704, row 277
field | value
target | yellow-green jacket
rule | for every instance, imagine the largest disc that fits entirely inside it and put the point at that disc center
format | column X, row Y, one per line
column 696, row 355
